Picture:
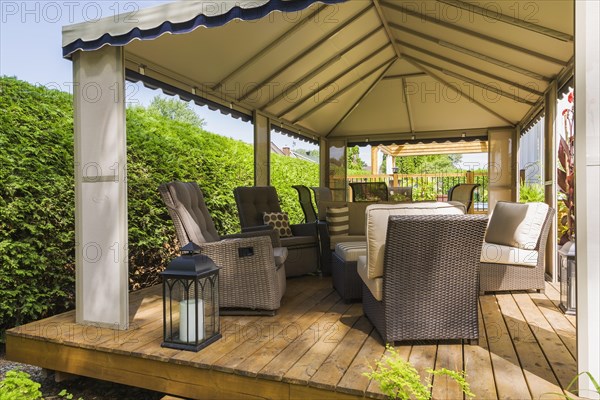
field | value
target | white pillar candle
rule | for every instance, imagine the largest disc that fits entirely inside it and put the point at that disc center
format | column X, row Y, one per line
column 187, row 319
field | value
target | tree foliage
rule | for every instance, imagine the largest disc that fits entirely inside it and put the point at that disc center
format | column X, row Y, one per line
column 176, row 110
column 37, row 194
column 428, row 164
column 355, row 163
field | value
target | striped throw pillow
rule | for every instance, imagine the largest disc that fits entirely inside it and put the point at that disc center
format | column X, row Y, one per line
column 338, row 220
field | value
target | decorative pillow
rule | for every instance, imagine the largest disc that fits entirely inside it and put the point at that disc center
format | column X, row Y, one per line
column 338, row 220
column 279, row 221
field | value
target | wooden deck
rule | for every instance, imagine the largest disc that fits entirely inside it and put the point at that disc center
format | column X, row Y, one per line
column 316, row 347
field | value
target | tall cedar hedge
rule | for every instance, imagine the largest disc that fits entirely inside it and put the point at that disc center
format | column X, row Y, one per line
column 37, row 194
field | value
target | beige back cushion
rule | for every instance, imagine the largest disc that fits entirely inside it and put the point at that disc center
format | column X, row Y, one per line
column 516, row 224
column 191, row 209
column 357, row 214
column 377, row 219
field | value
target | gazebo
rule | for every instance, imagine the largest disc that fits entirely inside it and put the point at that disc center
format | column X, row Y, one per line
column 340, row 73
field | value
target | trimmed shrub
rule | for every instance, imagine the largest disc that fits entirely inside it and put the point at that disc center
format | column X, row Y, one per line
column 37, row 194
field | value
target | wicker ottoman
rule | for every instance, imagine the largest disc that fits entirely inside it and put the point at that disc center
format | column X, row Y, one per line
column 343, row 270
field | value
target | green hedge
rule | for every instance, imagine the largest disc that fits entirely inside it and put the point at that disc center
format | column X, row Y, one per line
column 37, row 199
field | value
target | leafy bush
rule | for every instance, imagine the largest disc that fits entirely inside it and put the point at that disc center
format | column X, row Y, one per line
column 531, row 193
column 37, row 194
column 36, row 202
column 17, row 385
column 398, row 379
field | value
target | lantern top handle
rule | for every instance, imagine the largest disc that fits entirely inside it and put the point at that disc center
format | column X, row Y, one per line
column 191, row 248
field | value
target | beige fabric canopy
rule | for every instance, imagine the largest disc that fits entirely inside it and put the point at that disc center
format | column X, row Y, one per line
column 376, row 70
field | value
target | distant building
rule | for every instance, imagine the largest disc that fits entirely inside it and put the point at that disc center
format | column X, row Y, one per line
column 288, row 152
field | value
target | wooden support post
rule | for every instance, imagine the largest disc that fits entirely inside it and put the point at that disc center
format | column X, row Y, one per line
column 374, row 162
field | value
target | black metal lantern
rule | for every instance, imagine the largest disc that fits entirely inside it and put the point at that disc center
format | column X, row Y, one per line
column 568, row 278
column 190, row 301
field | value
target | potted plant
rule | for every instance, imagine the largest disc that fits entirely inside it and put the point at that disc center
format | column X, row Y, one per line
column 566, row 186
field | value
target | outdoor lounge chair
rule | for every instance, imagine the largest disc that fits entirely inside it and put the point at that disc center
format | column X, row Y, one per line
column 463, row 192
column 322, row 194
column 513, row 252
column 302, row 243
column 305, row 198
column 252, row 275
column 420, row 278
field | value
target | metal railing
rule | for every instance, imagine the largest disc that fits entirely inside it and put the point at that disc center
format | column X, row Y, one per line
column 433, row 186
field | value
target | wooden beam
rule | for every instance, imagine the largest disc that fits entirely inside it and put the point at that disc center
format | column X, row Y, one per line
column 458, row 28
column 385, row 25
column 314, row 72
column 467, row 96
column 357, row 103
column 408, row 108
column 403, row 76
column 305, row 53
column 498, row 16
column 463, row 50
column 470, row 68
column 346, row 89
column 344, row 72
column 469, row 80
column 257, row 56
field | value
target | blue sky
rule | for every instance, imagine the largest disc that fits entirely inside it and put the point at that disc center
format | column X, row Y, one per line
column 30, row 49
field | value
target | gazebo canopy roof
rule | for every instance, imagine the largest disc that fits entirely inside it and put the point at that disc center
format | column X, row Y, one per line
column 380, row 70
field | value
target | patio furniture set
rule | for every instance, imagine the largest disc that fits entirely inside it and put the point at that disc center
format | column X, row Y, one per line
column 418, row 268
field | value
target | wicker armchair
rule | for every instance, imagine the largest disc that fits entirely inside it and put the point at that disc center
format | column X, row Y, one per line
column 303, row 245
column 252, row 275
column 429, row 287
column 515, row 267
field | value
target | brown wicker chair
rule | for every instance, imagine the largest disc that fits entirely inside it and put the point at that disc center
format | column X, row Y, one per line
column 303, row 245
column 429, row 289
column 499, row 270
column 252, row 275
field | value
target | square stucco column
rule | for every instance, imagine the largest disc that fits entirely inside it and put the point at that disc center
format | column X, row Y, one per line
column 100, row 188
column 587, row 190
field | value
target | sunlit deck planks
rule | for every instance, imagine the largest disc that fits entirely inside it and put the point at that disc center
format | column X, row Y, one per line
column 315, row 347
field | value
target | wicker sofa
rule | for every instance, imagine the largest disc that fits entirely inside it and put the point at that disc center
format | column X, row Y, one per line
column 420, row 274
column 344, row 250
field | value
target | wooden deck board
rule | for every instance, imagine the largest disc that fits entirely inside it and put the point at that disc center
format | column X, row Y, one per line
column 538, row 373
column 510, row 381
column 316, row 346
column 478, row 366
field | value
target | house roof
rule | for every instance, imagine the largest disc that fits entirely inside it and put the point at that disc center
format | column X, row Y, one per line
column 377, row 70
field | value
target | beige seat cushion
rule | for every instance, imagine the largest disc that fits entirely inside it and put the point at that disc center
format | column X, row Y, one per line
column 516, row 224
column 498, row 254
column 334, row 240
column 350, row 251
column 377, row 220
column 375, row 285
